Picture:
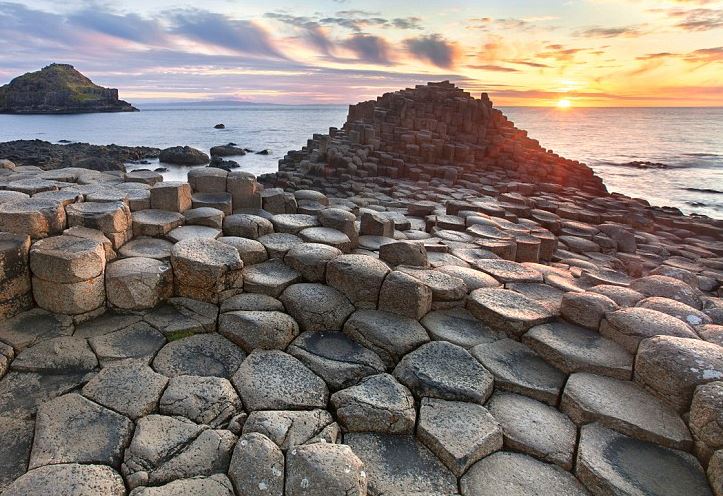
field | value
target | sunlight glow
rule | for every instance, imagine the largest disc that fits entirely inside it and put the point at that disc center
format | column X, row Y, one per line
column 564, row 103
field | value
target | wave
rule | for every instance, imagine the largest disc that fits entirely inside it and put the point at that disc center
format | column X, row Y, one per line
column 704, row 190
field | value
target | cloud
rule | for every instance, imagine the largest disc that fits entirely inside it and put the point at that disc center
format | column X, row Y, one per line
column 655, row 56
column 617, row 32
column 130, row 27
column 701, row 19
column 494, row 68
column 705, row 55
column 369, row 48
column 240, row 36
column 434, row 49
column 559, row 52
column 529, row 63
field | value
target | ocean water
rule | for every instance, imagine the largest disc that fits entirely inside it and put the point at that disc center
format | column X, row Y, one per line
column 688, row 142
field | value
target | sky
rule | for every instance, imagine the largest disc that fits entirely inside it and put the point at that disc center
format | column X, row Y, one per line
column 534, row 52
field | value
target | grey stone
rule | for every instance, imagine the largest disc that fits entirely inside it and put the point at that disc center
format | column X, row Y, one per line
column 155, row 223
column 405, row 295
column 205, row 400
column 506, row 271
column 400, row 465
column 459, row 327
column 138, row 283
column 251, row 302
column 612, row 463
column 202, row 354
column 706, row 419
column 257, row 466
column 16, row 438
column 250, row 250
column 575, row 349
column 629, row 326
column 444, row 286
column 181, row 233
column 404, row 253
column 160, row 249
column 459, row 433
column 72, row 429
column 269, row 278
column 446, row 371
column 535, row 428
column 181, row 317
column 321, row 469
column 327, row 236
column 22, row 392
column 292, row 428
column 204, row 267
column 518, row 369
column 377, row 404
column 63, row 355
column 338, row 360
column 274, row 380
column 359, row 277
column 316, row 307
column 164, row 449
column 667, row 287
column 586, row 309
column 389, row 335
column 515, row 474
column 71, row 479
column 505, row 310
column 277, row 244
column 129, row 387
column 139, row 341
column 246, row 226
column 252, row 330
column 33, row 326
column 625, row 407
column 214, row 485
column 310, row 260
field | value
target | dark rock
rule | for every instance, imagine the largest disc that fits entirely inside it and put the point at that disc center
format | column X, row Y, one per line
column 219, row 126
column 183, row 155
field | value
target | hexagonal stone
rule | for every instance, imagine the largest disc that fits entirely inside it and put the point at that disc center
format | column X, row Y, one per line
column 672, row 367
column 316, row 307
column 534, row 428
column 109, row 217
column 444, row 370
column 181, row 233
column 257, row 466
column 220, row 201
column 65, row 354
column 505, row 310
column 202, row 354
column 586, row 309
column 459, row 327
column 246, row 226
column 506, row 271
column 400, row 465
column 72, row 429
column 250, row 250
column 310, row 260
column 67, row 259
column 706, row 419
column 473, row 279
column 172, row 196
column 214, row 485
column 515, row 474
column 389, row 335
column 340, row 361
column 624, row 297
column 205, row 400
column 16, row 438
column 251, row 302
column 575, row 349
column 159, row 249
column 612, row 463
column 518, row 369
column 274, row 380
column 319, row 469
column 35, row 217
column 681, row 311
column 715, row 472
column 253, row 330
column 181, row 317
column 204, row 267
column 138, row 283
column 70, row 299
column 405, row 295
column 629, row 326
column 459, row 433
column 277, row 244
column 359, row 277
column 667, row 287
column 269, row 278
column 129, row 387
column 293, row 223
column 444, row 286
column 33, row 326
column 327, row 236
column 377, row 404
column 289, row 428
column 155, row 223
column 164, row 449
column 625, row 407
column 22, row 392
column 72, row 479
column 204, row 216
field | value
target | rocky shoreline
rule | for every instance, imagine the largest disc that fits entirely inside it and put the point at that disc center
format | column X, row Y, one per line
column 421, row 302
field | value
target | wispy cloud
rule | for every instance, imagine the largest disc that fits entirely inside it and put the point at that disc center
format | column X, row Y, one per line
column 612, row 32
column 368, row 48
column 434, row 49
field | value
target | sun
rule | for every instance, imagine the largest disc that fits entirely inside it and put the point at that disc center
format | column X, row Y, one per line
column 564, row 103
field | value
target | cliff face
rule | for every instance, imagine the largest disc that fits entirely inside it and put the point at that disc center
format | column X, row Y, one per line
column 58, row 89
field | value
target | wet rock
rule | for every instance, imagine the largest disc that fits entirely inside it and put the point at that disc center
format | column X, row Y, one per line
column 16, row 438
column 612, row 463
column 33, row 326
column 72, row 429
column 181, row 317
column 57, row 356
column 21, row 393
column 202, row 354
column 377, row 404
column 340, row 361
column 183, row 155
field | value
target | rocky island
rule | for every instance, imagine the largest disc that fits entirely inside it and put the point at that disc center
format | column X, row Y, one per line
column 421, row 302
column 58, row 89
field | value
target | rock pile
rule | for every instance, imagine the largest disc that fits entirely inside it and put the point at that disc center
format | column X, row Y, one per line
column 347, row 337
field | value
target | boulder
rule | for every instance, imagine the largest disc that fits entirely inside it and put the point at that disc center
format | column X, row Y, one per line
column 183, row 155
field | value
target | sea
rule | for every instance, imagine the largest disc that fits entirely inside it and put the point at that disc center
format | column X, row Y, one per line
column 668, row 156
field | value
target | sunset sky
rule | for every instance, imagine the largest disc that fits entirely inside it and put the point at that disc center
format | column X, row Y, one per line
column 588, row 52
